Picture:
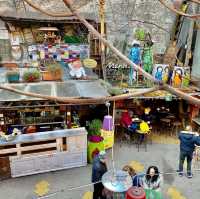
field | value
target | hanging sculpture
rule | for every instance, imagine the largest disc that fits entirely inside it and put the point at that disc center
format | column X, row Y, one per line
column 135, row 57
column 147, row 57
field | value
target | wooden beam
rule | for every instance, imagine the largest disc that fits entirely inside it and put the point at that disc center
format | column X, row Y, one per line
column 38, row 8
column 171, row 8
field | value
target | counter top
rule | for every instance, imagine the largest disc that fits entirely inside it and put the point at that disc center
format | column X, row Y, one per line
column 197, row 120
column 42, row 136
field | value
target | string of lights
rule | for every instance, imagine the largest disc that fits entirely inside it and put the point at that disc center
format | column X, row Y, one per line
column 67, row 189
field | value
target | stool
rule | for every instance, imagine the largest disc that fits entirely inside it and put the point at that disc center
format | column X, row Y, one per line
column 136, row 193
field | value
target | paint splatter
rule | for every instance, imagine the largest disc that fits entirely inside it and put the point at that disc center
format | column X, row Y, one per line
column 137, row 166
column 174, row 193
column 88, row 195
column 42, row 188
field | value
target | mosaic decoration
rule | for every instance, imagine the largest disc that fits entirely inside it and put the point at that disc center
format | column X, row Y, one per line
column 58, row 52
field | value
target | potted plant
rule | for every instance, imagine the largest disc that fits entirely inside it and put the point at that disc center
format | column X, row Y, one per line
column 54, row 72
column 13, row 76
column 95, row 140
column 31, row 76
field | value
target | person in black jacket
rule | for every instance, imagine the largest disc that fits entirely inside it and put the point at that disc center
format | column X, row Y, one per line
column 99, row 167
column 188, row 140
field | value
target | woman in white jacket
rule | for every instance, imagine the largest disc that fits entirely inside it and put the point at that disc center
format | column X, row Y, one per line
column 152, row 180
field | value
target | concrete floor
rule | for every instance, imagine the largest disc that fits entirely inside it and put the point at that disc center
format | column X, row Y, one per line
column 165, row 156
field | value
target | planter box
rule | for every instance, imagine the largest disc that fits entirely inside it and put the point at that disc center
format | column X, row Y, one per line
column 13, row 78
column 94, row 148
column 108, row 138
column 10, row 65
column 48, row 76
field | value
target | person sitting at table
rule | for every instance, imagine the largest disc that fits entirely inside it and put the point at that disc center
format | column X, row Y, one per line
column 135, row 178
column 126, row 121
column 152, row 180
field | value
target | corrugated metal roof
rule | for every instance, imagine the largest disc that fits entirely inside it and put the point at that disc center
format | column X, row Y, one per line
column 73, row 88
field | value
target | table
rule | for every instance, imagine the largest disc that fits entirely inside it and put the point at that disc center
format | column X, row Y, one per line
column 165, row 120
column 152, row 194
column 197, row 120
column 117, row 182
column 171, row 117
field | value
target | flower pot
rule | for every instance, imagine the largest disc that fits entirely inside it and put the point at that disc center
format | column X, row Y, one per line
column 13, row 78
column 95, row 145
column 48, row 76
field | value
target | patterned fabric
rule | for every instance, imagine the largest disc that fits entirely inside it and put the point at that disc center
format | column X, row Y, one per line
column 147, row 59
column 119, row 195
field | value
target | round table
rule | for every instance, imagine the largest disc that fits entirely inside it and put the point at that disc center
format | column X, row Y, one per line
column 118, row 182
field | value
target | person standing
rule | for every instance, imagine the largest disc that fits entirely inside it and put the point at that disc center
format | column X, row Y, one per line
column 99, row 167
column 188, row 140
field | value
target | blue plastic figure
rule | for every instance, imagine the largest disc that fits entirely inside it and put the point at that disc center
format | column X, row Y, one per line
column 135, row 57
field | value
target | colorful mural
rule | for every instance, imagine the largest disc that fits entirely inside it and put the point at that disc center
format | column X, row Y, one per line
column 177, row 77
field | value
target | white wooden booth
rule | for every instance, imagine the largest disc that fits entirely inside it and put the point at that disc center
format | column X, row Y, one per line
column 41, row 152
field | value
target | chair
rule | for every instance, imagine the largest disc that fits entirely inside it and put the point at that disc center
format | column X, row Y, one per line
column 196, row 157
column 126, row 134
column 176, row 126
column 139, row 141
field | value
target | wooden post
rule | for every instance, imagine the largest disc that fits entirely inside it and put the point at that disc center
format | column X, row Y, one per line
column 102, row 29
column 190, row 36
column 19, row 152
column 59, row 144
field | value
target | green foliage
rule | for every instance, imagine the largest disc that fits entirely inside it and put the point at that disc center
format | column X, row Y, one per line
column 115, row 91
column 54, row 68
column 31, row 75
column 75, row 39
column 140, row 34
column 95, row 127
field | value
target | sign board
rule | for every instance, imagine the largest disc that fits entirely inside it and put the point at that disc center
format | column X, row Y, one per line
column 89, row 63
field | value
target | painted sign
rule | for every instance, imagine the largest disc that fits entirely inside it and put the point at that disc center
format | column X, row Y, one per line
column 89, row 63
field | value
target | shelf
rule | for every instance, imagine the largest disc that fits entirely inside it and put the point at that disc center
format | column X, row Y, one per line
column 37, row 124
